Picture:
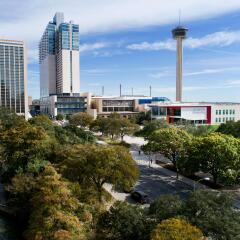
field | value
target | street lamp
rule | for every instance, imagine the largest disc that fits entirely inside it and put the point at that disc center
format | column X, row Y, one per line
column 194, row 185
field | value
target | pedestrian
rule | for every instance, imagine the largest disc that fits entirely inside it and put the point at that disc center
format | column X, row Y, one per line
column 139, row 152
column 151, row 161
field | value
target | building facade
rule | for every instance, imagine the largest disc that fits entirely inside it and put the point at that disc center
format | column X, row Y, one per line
column 59, row 67
column 212, row 113
column 125, row 106
column 13, row 76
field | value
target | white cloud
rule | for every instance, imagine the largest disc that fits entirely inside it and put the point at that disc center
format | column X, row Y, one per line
column 168, row 45
column 28, row 20
column 92, row 47
column 191, row 88
column 223, row 38
column 212, row 71
column 233, row 83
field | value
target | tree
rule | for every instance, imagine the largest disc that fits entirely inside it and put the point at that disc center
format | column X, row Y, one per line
column 176, row 229
column 197, row 131
column 96, row 165
column 214, row 214
column 100, row 124
column 124, row 221
column 59, row 117
column 166, row 206
column 218, row 154
column 150, row 127
column 170, row 142
column 22, row 145
column 53, row 214
column 189, row 162
column 126, row 127
column 143, row 117
column 230, row 128
column 81, row 119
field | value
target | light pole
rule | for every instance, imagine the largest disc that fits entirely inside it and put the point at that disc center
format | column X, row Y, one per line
column 202, row 179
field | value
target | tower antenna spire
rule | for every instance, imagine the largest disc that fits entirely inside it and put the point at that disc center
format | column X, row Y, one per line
column 179, row 17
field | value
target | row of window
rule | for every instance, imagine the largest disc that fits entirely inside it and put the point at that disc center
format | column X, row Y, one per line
column 118, row 109
column 222, row 120
column 223, row 112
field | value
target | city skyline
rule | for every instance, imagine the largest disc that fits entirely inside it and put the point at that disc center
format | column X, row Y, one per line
column 138, row 51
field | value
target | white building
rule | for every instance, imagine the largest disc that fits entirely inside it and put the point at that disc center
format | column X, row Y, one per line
column 59, row 67
column 211, row 113
column 13, row 76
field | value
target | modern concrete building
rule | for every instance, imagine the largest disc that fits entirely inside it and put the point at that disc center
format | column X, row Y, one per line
column 13, row 76
column 126, row 106
column 59, row 67
column 210, row 113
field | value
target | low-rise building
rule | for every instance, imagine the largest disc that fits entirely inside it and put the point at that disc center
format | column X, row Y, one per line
column 61, row 104
column 211, row 113
column 126, row 106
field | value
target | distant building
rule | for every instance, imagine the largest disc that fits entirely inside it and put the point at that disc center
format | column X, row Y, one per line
column 211, row 113
column 59, row 68
column 13, row 76
column 126, row 105
column 34, row 108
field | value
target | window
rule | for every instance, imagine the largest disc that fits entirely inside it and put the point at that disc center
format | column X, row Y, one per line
column 216, row 120
column 223, row 112
column 216, row 112
column 226, row 119
column 233, row 111
column 223, row 119
column 220, row 112
column 219, row 120
column 230, row 111
column 227, row 112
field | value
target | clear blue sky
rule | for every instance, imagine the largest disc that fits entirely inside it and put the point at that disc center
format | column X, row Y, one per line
column 129, row 42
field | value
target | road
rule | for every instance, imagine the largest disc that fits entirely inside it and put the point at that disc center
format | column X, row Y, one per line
column 155, row 180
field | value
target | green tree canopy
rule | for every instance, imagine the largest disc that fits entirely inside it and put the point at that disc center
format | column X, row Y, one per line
column 114, row 126
column 165, row 207
column 23, row 144
column 60, row 117
column 170, row 142
column 53, row 215
column 214, row 214
column 150, row 127
column 124, row 221
column 218, row 154
column 81, row 119
column 230, row 128
column 96, row 165
column 176, row 229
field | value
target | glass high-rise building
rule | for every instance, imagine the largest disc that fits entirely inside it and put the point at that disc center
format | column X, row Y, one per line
column 60, row 68
column 59, row 58
column 13, row 76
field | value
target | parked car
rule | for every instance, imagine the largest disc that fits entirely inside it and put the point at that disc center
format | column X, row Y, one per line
column 140, row 197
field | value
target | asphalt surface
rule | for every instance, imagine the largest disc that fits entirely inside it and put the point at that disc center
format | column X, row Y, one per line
column 154, row 181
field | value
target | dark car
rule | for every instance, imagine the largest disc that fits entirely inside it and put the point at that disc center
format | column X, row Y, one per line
column 140, row 197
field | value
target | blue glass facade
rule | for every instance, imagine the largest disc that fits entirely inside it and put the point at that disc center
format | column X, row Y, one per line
column 51, row 38
column 66, row 30
column 75, row 37
column 12, row 80
column 152, row 100
column 64, row 36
